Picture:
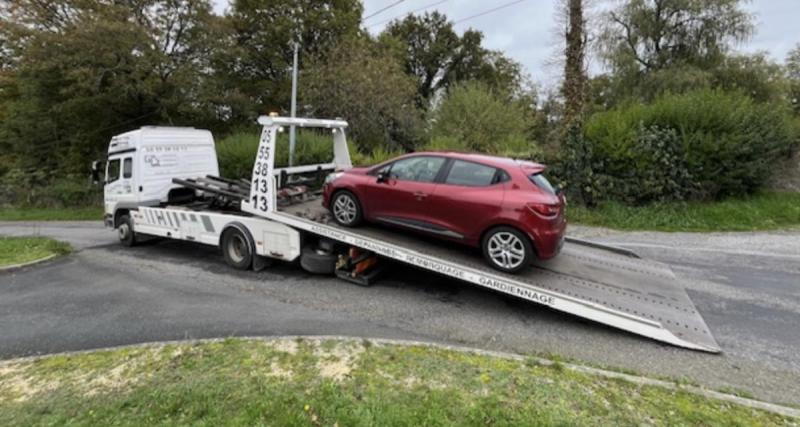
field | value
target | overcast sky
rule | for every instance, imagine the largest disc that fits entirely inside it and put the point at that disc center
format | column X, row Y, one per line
column 524, row 30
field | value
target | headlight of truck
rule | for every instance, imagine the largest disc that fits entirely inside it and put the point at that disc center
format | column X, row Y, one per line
column 332, row 177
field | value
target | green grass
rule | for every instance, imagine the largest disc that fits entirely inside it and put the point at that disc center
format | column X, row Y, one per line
column 304, row 382
column 51, row 214
column 18, row 250
column 766, row 211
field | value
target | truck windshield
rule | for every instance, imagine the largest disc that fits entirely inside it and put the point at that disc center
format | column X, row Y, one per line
column 540, row 181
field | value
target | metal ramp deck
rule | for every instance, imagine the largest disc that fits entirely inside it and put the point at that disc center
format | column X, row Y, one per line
column 587, row 280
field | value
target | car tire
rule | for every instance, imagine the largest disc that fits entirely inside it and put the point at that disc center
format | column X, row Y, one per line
column 125, row 232
column 237, row 249
column 346, row 209
column 318, row 261
column 507, row 249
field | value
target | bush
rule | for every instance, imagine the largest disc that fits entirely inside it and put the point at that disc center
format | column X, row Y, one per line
column 237, row 152
column 34, row 189
column 704, row 144
column 473, row 118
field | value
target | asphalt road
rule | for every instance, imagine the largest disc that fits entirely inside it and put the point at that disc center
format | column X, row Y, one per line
column 746, row 286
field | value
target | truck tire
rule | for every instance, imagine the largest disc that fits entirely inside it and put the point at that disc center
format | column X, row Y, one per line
column 318, row 262
column 507, row 249
column 237, row 249
column 125, row 231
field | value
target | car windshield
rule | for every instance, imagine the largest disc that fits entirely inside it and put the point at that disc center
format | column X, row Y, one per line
column 540, row 181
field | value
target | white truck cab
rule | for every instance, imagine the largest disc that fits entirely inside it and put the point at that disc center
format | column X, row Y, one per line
column 142, row 164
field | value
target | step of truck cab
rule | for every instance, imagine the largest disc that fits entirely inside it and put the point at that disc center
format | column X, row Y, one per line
column 606, row 285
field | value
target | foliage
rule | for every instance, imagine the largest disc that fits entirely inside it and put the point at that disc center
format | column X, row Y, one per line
column 726, row 145
column 328, row 383
column 81, row 71
column 236, row 153
column 364, row 83
column 643, row 40
column 20, row 250
column 434, row 53
column 475, row 118
column 574, row 168
column 34, row 188
column 764, row 211
column 793, row 73
column 255, row 60
column 94, row 213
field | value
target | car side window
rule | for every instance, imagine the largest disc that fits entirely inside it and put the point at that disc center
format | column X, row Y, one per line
column 127, row 168
column 112, row 171
column 418, row 168
column 471, row 174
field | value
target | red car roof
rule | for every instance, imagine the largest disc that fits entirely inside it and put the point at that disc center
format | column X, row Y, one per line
column 486, row 159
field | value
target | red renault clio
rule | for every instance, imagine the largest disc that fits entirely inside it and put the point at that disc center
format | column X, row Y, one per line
column 505, row 207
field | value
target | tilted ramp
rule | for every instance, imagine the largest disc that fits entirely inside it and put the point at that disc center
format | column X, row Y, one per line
column 607, row 285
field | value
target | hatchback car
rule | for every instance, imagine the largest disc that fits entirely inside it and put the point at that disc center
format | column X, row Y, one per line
column 503, row 206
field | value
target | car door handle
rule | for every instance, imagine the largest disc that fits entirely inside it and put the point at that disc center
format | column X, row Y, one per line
column 420, row 195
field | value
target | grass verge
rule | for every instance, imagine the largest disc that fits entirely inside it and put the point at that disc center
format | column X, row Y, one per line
column 767, row 211
column 51, row 214
column 18, row 250
column 310, row 382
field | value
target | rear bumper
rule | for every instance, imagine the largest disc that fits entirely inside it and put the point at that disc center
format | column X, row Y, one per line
column 549, row 242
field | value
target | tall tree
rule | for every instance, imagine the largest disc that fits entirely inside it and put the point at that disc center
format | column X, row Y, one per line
column 651, row 35
column 438, row 57
column 255, row 66
column 793, row 73
column 81, row 71
column 574, row 67
column 364, row 82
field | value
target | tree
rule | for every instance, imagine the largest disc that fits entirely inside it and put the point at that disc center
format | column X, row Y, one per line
column 78, row 72
column 574, row 67
column 793, row 73
column 643, row 38
column 255, row 65
column 433, row 53
column 474, row 117
column 364, row 83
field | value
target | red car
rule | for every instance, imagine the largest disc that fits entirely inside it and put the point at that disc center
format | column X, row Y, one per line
column 505, row 207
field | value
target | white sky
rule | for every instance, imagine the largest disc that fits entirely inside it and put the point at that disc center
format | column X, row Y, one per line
column 525, row 30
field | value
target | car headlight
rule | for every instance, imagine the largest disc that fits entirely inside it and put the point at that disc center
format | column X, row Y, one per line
column 332, row 177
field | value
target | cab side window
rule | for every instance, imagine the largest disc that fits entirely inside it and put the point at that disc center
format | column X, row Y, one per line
column 112, row 171
column 127, row 168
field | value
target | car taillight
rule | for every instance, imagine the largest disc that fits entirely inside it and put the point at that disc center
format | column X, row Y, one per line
column 544, row 209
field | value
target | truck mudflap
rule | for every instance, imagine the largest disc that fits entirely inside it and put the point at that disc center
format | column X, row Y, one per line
column 608, row 285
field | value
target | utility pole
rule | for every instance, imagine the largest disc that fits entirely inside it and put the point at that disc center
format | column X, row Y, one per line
column 292, row 134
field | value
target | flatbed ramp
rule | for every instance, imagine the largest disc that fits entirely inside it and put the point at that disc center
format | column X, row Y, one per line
column 586, row 280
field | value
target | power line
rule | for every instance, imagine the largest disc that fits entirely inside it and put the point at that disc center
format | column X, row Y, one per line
column 486, row 12
column 382, row 10
column 409, row 13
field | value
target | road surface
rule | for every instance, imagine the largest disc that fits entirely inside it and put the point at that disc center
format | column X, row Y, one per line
column 745, row 285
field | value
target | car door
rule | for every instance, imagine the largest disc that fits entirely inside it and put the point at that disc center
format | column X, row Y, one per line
column 468, row 197
column 118, row 189
column 400, row 197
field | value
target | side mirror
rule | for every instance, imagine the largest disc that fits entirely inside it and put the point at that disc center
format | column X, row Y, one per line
column 97, row 171
column 383, row 177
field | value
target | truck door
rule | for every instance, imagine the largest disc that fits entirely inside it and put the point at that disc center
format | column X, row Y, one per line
column 119, row 183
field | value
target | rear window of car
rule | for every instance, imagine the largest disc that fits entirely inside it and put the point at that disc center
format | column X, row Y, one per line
column 541, row 181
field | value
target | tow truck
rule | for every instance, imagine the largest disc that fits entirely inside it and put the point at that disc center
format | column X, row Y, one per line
column 164, row 182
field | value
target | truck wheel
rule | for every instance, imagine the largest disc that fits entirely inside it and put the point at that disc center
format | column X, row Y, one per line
column 125, row 231
column 236, row 249
column 507, row 249
column 317, row 261
column 346, row 209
